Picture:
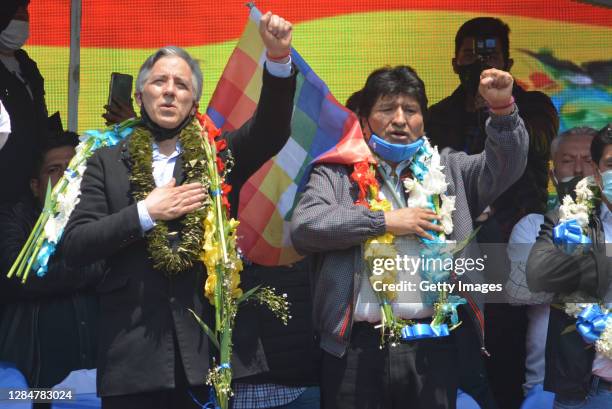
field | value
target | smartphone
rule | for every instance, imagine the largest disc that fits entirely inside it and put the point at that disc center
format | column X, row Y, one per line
column 485, row 46
column 120, row 88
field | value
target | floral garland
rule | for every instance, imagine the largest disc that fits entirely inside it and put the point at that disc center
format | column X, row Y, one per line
column 571, row 234
column 61, row 201
column 587, row 199
column 425, row 190
column 192, row 230
column 222, row 258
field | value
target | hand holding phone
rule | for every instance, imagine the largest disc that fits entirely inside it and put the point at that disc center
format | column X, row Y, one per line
column 119, row 106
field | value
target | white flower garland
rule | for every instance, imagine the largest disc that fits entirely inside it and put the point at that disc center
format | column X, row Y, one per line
column 580, row 209
column 433, row 183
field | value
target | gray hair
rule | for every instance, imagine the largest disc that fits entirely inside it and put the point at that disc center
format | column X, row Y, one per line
column 196, row 72
column 579, row 130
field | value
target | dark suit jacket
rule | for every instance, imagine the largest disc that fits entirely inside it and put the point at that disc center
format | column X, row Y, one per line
column 28, row 123
column 144, row 319
column 569, row 360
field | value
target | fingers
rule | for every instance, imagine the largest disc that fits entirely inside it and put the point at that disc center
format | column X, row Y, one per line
column 263, row 22
column 191, row 208
column 494, row 78
column 420, row 232
column 275, row 25
column 190, row 200
column 430, row 226
column 426, row 214
column 189, row 188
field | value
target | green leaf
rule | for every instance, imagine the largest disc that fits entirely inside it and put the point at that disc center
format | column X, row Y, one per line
column 47, row 208
column 206, row 329
column 245, row 296
column 569, row 329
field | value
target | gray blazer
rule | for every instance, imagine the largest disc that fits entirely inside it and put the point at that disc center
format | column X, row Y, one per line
column 327, row 221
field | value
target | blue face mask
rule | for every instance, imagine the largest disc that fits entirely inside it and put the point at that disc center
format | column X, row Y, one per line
column 606, row 184
column 393, row 152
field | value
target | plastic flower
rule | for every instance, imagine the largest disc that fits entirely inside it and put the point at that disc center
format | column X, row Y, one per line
column 434, row 181
column 604, row 343
column 383, row 205
column 446, row 212
column 417, row 195
column 209, row 287
column 583, row 191
column 572, row 210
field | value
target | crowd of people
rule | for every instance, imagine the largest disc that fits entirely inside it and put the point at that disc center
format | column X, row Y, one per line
column 474, row 168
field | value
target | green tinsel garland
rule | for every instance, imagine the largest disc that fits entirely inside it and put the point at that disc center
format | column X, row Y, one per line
column 194, row 167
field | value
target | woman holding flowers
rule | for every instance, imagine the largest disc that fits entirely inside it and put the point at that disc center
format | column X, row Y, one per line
column 151, row 205
column 389, row 348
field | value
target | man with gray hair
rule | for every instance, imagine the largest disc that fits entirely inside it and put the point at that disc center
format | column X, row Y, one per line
column 137, row 199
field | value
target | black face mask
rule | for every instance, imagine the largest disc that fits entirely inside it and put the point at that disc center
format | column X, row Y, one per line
column 567, row 187
column 162, row 134
column 469, row 75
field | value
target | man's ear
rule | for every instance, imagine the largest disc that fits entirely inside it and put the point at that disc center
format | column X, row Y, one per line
column 596, row 174
column 454, row 62
column 195, row 108
column 34, row 185
column 365, row 127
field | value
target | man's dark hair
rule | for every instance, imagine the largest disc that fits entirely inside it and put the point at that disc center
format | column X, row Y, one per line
column 52, row 141
column 600, row 141
column 486, row 27
column 389, row 81
column 353, row 102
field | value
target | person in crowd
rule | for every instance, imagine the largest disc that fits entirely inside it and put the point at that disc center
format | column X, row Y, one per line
column 23, row 95
column 48, row 326
column 579, row 375
column 458, row 121
column 290, row 351
column 152, row 352
column 357, row 371
column 571, row 161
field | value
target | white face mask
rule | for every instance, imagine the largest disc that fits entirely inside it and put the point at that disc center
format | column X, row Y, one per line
column 15, row 35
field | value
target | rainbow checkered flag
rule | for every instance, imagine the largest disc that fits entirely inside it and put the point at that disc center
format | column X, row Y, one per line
column 322, row 131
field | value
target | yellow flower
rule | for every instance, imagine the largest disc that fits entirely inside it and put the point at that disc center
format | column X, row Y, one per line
column 209, row 287
column 386, row 238
column 383, row 205
column 379, row 250
column 236, row 292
